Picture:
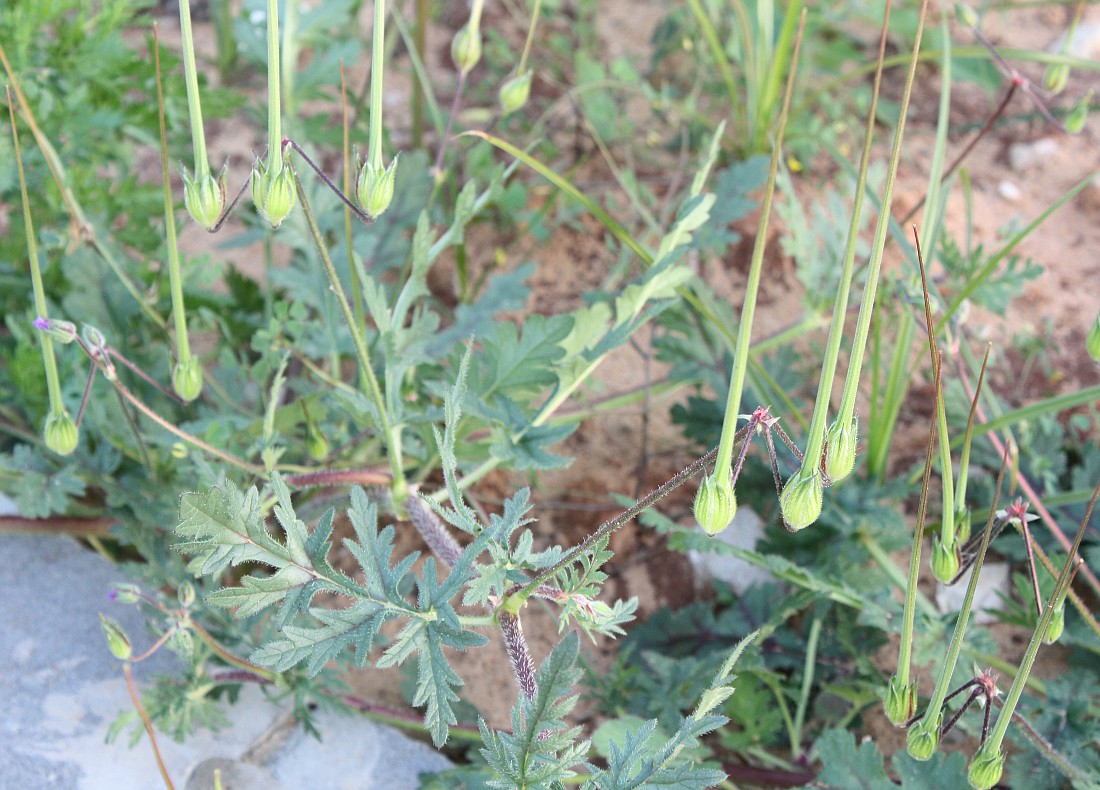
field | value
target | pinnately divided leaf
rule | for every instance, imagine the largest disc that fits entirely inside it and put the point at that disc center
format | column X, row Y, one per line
column 540, row 752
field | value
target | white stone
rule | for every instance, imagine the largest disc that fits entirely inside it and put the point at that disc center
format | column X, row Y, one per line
column 992, row 584
column 1009, row 191
column 1085, row 42
column 1025, row 155
column 740, row 574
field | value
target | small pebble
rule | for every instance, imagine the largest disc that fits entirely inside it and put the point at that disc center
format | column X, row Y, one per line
column 1009, row 191
column 1084, row 44
column 992, row 584
column 1025, row 155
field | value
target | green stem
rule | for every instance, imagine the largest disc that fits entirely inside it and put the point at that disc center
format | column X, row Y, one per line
column 931, row 720
column 816, row 440
column 717, row 52
column 274, row 128
column 1013, row 696
column 866, row 308
column 390, row 432
column 378, row 39
column 175, row 279
column 807, row 683
column 530, row 37
column 289, row 60
column 194, row 104
column 905, row 651
column 752, row 288
column 53, row 381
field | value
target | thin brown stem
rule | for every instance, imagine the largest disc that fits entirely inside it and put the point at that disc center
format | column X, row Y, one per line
column 148, row 724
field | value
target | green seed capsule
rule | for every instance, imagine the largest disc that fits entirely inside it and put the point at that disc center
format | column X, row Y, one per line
column 1057, row 624
column 801, row 500
column 922, row 741
column 945, row 560
column 61, row 434
column 900, row 701
column 1078, row 114
column 1056, row 77
column 187, row 379
column 205, row 198
column 966, row 16
column 117, row 641
column 962, row 525
column 126, row 593
column 986, row 768
column 182, row 644
column 514, row 92
column 186, row 594
column 466, row 48
column 715, row 504
column 840, row 450
column 374, row 188
column 273, row 193
column 1092, row 342
column 316, row 445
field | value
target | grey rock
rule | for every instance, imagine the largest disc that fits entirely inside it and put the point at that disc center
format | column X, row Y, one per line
column 62, row 688
column 992, row 584
column 743, row 532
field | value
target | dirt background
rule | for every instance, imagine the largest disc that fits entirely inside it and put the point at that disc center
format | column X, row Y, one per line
column 633, row 450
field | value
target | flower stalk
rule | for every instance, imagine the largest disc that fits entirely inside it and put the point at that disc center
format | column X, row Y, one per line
column 60, row 431
column 187, row 375
column 928, row 728
column 840, row 450
column 985, row 768
column 273, row 188
column 846, row 415
column 204, row 195
column 721, row 477
column 375, row 183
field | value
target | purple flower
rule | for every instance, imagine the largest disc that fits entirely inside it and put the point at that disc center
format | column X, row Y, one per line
column 41, row 323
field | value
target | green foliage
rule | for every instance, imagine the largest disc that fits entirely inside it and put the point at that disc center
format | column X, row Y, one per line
column 849, row 766
column 439, row 369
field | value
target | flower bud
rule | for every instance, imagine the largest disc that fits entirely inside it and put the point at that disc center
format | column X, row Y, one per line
column 900, row 701
column 1057, row 624
column 205, row 197
column 61, row 434
column 61, row 331
column 1092, row 342
column 186, row 594
column 923, row 740
column 715, row 503
column 117, row 641
column 187, row 379
column 514, row 92
column 1078, row 114
column 840, row 450
column 800, row 502
column 986, row 767
column 945, row 560
column 182, row 644
column 273, row 193
column 93, row 338
column 966, row 16
column 466, row 48
column 1055, row 77
column 374, row 188
column 126, row 593
column 962, row 524
column 316, row 445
